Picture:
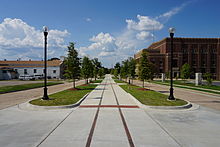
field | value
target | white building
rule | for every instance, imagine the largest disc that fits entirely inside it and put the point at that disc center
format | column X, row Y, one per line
column 54, row 68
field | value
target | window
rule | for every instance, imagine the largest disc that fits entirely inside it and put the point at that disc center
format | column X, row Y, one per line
column 175, row 63
column 54, row 71
column 4, row 71
column 25, row 71
column 35, row 70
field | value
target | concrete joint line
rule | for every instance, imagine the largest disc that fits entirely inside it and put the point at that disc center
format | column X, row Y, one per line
column 158, row 123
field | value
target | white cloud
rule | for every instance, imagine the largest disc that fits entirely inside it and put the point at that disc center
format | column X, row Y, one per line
column 136, row 35
column 167, row 15
column 145, row 23
column 144, row 35
column 18, row 39
column 102, row 43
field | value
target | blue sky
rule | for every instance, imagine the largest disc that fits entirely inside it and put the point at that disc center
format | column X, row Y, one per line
column 111, row 30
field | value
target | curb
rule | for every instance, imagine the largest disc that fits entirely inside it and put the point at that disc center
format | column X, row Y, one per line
column 184, row 107
column 29, row 106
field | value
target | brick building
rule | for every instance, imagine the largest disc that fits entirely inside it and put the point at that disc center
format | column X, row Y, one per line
column 202, row 54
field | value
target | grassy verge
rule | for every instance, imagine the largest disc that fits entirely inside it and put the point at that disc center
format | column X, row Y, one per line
column 14, row 88
column 119, row 81
column 66, row 97
column 192, row 86
column 150, row 97
column 97, row 81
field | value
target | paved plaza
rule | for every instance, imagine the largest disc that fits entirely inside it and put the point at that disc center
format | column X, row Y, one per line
column 109, row 117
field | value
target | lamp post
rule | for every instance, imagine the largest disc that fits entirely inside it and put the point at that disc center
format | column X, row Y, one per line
column 171, row 97
column 45, row 30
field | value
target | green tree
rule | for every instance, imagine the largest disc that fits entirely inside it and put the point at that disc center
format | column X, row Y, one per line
column 131, row 68
column 185, row 71
column 101, row 72
column 97, row 65
column 72, row 64
column 87, row 69
column 124, row 70
column 117, row 69
column 208, row 77
column 145, row 72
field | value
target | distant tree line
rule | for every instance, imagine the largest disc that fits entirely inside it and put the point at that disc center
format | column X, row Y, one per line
column 129, row 69
column 76, row 68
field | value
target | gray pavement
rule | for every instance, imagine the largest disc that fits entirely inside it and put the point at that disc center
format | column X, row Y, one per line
column 100, row 121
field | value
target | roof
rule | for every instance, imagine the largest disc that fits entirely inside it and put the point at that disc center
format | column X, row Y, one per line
column 14, row 64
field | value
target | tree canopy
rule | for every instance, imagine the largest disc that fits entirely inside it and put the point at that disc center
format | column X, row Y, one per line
column 72, row 63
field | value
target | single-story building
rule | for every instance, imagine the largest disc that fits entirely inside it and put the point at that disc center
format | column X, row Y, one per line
column 13, row 69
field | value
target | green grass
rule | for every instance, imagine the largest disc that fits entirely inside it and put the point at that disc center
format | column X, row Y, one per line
column 150, row 97
column 119, row 81
column 192, row 86
column 65, row 97
column 97, row 81
column 14, row 88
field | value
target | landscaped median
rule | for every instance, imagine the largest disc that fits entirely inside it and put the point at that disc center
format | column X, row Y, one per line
column 14, row 88
column 66, row 97
column 151, row 98
column 181, row 84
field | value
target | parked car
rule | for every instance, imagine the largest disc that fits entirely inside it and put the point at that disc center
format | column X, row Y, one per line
column 26, row 77
column 38, row 77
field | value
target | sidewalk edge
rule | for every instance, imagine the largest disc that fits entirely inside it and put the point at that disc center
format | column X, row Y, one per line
column 188, row 106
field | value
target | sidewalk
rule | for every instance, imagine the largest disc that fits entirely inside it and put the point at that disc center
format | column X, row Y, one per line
column 109, row 117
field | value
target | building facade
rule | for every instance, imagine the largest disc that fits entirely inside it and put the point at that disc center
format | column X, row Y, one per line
column 202, row 54
column 32, row 68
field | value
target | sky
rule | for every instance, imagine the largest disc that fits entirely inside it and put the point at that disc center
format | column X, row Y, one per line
column 110, row 30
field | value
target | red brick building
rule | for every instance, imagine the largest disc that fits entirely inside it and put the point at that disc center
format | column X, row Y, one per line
column 202, row 54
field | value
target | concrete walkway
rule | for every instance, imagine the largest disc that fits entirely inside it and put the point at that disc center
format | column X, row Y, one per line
column 109, row 117
column 14, row 98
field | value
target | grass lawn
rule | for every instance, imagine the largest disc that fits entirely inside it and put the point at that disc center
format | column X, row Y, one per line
column 7, row 89
column 119, row 81
column 97, row 81
column 66, row 97
column 181, row 84
column 149, row 97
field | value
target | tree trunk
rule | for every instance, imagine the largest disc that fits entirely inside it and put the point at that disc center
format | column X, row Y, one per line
column 143, row 83
column 95, row 78
column 129, row 81
column 74, row 83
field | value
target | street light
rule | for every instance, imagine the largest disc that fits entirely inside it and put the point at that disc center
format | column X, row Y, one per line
column 45, row 30
column 171, row 97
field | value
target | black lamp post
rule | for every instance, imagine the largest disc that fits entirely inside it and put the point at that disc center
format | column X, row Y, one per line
column 171, row 97
column 45, row 97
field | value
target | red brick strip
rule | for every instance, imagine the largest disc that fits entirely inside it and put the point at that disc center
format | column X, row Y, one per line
column 108, row 106
column 89, row 139
column 131, row 143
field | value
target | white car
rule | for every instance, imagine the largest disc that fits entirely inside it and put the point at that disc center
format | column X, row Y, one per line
column 26, row 77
